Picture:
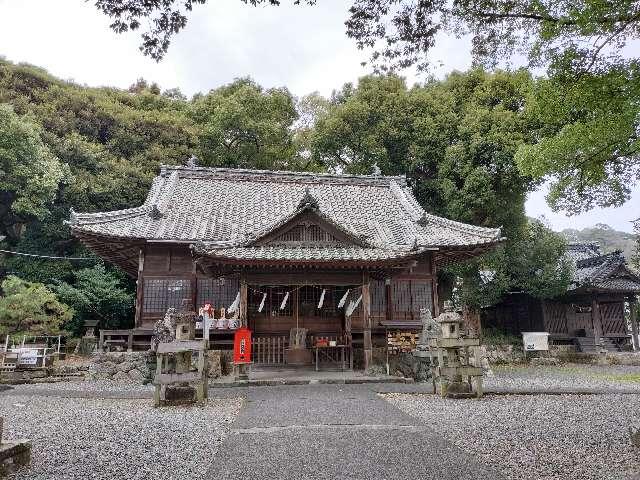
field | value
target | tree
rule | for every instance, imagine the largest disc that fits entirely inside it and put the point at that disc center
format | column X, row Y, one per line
column 456, row 141
column 243, row 125
column 635, row 260
column 589, row 114
column 113, row 142
column 29, row 173
column 587, row 132
column 97, row 294
column 30, row 308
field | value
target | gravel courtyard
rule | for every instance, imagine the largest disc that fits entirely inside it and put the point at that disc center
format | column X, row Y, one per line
column 538, row 437
column 107, row 430
column 80, row 438
column 566, row 378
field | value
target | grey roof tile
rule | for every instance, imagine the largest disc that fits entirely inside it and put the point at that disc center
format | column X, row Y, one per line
column 230, row 207
column 603, row 271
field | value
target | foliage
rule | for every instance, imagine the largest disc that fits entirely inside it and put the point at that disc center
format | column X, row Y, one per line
column 97, row 294
column 540, row 264
column 29, row 173
column 495, row 336
column 587, row 142
column 588, row 138
column 533, row 260
column 243, row 125
column 456, row 141
column 30, row 308
column 112, row 141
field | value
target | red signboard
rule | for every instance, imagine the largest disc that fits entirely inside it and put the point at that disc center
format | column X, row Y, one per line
column 242, row 346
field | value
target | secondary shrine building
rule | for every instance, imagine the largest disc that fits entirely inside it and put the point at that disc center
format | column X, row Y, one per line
column 344, row 256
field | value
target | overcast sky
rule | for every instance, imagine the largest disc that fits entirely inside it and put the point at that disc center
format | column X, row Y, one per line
column 302, row 48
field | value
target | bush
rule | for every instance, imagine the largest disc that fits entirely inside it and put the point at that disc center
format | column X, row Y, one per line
column 31, row 308
column 97, row 294
column 496, row 336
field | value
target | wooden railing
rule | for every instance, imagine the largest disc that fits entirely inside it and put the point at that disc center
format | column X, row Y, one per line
column 268, row 350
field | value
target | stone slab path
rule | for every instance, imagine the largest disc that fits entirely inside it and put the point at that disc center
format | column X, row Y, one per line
column 336, row 431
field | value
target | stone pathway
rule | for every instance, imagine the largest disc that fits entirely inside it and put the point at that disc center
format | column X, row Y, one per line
column 336, row 431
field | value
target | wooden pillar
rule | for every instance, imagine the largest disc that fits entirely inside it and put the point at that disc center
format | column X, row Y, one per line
column 366, row 321
column 295, row 298
column 243, row 301
column 194, row 286
column 388, row 300
column 633, row 310
column 597, row 322
column 139, row 289
column 434, row 287
column 241, row 372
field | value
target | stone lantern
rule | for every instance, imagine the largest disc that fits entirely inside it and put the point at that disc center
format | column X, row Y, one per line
column 452, row 348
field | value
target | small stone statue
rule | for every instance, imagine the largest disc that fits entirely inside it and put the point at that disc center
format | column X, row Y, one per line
column 164, row 330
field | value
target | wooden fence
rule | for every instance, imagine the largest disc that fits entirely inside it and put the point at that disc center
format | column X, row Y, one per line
column 268, row 350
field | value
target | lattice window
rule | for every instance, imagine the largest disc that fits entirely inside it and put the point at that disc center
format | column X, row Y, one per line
column 409, row 296
column 378, row 297
column 161, row 294
column 420, row 296
column 275, row 296
column 310, row 297
column 220, row 292
column 556, row 317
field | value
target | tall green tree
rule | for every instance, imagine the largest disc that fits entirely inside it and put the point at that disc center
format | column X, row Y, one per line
column 456, row 140
column 243, row 125
column 29, row 173
column 588, row 138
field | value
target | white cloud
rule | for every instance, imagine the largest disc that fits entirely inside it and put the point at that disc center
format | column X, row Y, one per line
column 301, row 47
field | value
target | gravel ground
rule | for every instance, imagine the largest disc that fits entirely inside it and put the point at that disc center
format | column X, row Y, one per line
column 94, row 388
column 538, row 437
column 569, row 377
column 107, row 439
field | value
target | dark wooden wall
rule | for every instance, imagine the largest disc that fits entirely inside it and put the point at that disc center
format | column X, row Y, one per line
column 566, row 317
column 168, row 276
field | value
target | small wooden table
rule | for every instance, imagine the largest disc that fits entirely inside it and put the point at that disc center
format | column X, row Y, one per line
column 335, row 354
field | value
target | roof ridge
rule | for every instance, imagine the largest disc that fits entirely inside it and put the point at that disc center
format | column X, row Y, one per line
column 222, row 171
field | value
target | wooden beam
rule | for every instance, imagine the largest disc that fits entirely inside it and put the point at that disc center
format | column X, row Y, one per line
column 243, row 301
column 434, row 289
column 296, row 306
column 366, row 321
column 193, row 280
column 388, row 299
column 633, row 308
column 139, row 288
column 596, row 320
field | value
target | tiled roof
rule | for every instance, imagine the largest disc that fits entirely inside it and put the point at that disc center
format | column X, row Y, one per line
column 308, row 254
column 226, row 209
column 602, row 271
